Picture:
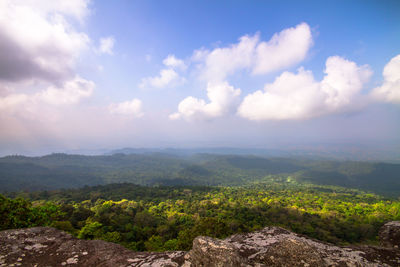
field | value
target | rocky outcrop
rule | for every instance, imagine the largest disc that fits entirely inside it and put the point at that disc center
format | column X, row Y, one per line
column 272, row 246
column 389, row 235
column 275, row 246
column 45, row 246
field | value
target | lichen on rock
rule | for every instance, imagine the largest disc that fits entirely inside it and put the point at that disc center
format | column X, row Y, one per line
column 389, row 235
column 271, row 246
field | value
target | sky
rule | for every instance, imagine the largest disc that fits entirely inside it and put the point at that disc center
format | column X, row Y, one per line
column 92, row 75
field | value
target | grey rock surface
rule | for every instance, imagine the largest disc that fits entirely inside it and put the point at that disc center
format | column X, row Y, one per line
column 275, row 246
column 45, row 246
column 271, row 246
column 389, row 235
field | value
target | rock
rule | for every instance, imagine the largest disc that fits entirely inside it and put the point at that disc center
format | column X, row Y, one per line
column 275, row 246
column 208, row 251
column 271, row 246
column 45, row 246
column 389, row 235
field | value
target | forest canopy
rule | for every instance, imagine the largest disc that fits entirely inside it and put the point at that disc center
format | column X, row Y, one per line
column 158, row 202
column 169, row 218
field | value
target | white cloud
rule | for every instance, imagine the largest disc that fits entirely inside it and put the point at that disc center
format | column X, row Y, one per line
column 72, row 92
column 200, row 54
column 107, row 45
column 38, row 51
column 132, row 108
column 45, row 108
column 173, row 62
column 74, row 8
column 37, row 42
column 389, row 91
column 285, row 49
column 343, row 82
column 10, row 102
column 168, row 76
column 299, row 96
column 221, row 62
column 41, row 94
column 223, row 99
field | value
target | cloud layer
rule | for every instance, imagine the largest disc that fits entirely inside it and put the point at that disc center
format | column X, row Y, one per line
column 389, row 91
column 299, row 96
column 41, row 93
column 37, row 42
column 39, row 48
column 70, row 93
column 107, row 45
column 292, row 96
column 223, row 100
column 173, row 62
column 132, row 108
column 284, row 49
column 168, row 76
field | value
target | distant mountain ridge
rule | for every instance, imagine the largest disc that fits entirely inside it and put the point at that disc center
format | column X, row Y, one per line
column 19, row 173
column 328, row 152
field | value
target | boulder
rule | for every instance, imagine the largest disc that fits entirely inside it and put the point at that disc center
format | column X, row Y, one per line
column 271, row 246
column 209, row 251
column 389, row 235
column 275, row 246
column 45, row 246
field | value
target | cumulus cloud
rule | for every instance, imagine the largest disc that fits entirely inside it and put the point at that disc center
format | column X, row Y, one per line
column 107, row 45
column 70, row 93
column 39, row 47
column 223, row 99
column 284, row 49
column 43, row 112
column 37, row 42
column 173, row 62
column 221, row 62
column 131, row 108
column 299, row 96
column 41, row 95
column 74, row 8
column 389, row 91
column 167, row 76
column 11, row 102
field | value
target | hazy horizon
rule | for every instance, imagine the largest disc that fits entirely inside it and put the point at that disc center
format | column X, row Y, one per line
column 322, row 152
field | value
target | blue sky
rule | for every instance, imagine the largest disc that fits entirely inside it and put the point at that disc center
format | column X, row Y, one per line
column 106, row 74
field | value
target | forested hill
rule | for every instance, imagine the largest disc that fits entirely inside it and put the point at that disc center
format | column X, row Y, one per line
column 19, row 173
column 164, row 218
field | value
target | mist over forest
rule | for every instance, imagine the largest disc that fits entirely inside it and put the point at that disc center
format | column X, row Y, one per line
column 174, row 167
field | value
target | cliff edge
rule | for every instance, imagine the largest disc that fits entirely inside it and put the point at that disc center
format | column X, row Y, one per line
column 271, row 246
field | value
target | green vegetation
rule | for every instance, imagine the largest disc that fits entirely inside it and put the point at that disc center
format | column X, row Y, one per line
column 161, row 202
column 168, row 218
column 19, row 213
